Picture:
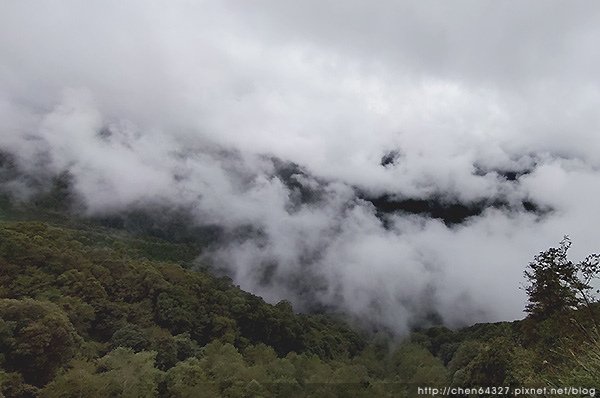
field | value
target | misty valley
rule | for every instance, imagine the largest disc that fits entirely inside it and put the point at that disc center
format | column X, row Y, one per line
column 284, row 198
column 125, row 305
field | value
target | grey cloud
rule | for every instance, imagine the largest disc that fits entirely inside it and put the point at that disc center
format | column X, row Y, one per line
column 188, row 103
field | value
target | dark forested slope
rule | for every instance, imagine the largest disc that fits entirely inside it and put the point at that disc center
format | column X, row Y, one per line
column 89, row 311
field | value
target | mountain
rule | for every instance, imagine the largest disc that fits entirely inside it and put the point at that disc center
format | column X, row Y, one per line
column 95, row 311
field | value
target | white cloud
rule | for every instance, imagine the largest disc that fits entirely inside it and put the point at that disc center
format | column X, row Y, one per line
column 195, row 93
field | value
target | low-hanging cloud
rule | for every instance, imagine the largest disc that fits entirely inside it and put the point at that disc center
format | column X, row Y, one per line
column 197, row 104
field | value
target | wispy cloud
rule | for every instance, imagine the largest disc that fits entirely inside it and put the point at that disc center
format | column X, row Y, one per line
column 188, row 103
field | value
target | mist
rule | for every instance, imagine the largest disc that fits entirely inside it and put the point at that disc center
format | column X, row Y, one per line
column 202, row 104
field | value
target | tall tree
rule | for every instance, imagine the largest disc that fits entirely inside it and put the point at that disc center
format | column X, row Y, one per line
column 556, row 284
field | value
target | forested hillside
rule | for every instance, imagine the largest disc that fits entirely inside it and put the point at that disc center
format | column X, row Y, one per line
column 89, row 311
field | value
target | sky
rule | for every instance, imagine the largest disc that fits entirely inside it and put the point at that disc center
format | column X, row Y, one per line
column 188, row 103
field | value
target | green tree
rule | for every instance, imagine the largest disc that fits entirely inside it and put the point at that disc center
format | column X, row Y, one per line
column 80, row 380
column 129, row 374
column 415, row 364
column 188, row 380
column 37, row 338
column 12, row 385
column 552, row 282
column 121, row 373
column 130, row 336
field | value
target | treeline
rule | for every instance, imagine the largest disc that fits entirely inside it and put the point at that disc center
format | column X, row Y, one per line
column 69, row 293
column 94, row 312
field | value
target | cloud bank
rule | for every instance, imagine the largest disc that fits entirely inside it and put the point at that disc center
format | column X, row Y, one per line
column 198, row 104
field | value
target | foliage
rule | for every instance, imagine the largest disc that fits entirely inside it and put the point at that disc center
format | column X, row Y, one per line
column 121, row 373
column 36, row 337
column 90, row 311
column 556, row 284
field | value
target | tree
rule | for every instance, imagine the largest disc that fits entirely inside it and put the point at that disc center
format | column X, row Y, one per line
column 556, row 284
column 130, row 336
column 120, row 373
column 36, row 337
column 188, row 379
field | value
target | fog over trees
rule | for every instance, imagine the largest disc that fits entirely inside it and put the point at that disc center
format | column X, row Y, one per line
column 475, row 124
column 394, row 165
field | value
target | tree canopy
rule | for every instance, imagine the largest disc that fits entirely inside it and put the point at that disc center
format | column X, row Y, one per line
column 87, row 310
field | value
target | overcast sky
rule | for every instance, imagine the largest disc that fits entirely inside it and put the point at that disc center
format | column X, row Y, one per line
column 198, row 95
